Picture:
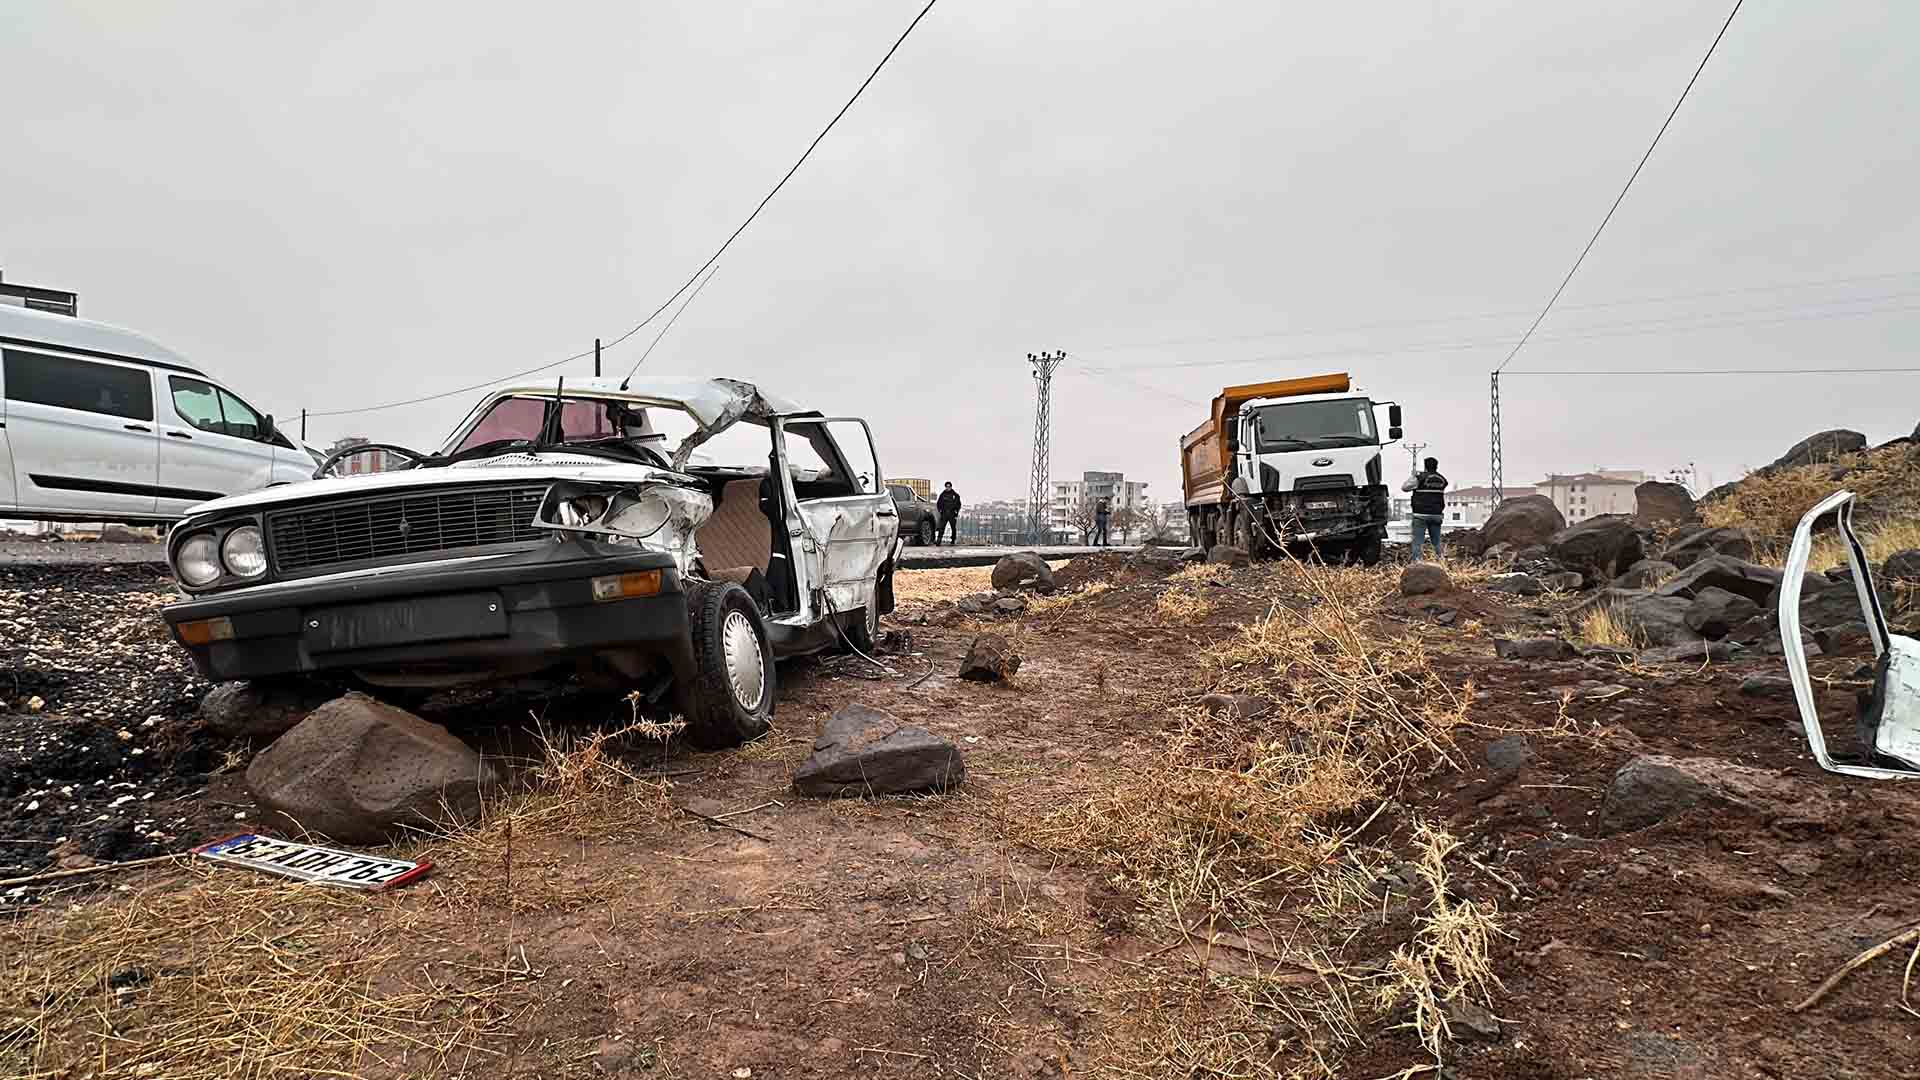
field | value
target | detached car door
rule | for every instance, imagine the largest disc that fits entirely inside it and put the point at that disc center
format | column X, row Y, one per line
column 81, row 433
column 847, row 522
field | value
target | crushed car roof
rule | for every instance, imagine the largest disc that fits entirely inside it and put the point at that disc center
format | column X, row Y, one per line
column 713, row 403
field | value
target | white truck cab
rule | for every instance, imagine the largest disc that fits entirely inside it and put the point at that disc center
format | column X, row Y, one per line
column 98, row 423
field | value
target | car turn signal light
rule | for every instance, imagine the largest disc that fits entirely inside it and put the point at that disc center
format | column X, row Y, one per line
column 627, row 586
column 205, row 631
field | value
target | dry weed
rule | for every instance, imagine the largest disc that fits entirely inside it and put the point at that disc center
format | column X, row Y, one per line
column 1770, row 506
column 1179, row 607
column 1450, row 956
column 930, row 586
column 1060, row 602
column 1599, row 627
column 1880, row 541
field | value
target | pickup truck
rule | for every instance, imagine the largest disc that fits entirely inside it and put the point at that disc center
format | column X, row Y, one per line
column 1290, row 462
column 675, row 536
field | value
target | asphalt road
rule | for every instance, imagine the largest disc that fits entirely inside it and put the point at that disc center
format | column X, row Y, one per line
column 84, row 553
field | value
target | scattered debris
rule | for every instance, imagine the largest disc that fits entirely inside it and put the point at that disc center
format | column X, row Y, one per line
column 990, row 658
column 866, row 751
column 312, row 863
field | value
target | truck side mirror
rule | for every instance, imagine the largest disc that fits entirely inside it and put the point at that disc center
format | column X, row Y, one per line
column 1393, row 434
column 1233, row 437
column 1393, row 418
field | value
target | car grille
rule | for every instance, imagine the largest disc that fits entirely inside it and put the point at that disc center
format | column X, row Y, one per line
column 397, row 527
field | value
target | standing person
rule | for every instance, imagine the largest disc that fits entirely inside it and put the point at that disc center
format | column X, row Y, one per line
column 1429, row 506
column 949, row 510
column 1101, row 513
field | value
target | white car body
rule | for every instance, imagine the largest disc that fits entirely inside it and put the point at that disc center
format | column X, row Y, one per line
column 98, row 423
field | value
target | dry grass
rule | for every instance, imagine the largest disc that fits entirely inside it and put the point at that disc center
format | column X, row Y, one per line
column 1181, row 607
column 930, row 586
column 1599, row 627
column 1450, row 956
column 1880, row 541
column 1061, row 601
column 1252, row 828
column 1770, row 506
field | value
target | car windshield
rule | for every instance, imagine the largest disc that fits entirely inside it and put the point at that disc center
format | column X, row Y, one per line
column 1309, row 425
column 512, row 424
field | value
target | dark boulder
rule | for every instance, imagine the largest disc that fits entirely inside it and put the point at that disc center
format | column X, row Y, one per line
column 1715, row 612
column 1600, row 549
column 1023, row 570
column 863, row 751
column 1658, row 502
column 1422, row 578
column 361, row 772
column 1736, row 576
column 261, row 710
column 1563, row 581
column 1822, row 447
column 1645, row 574
column 1228, row 555
column 1510, row 753
column 1690, row 547
column 1903, row 565
column 1652, row 788
column 1522, row 521
column 1534, row 649
column 990, row 659
column 1692, row 652
column 1842, row 639
column 1647, row 620
column 1516, row 584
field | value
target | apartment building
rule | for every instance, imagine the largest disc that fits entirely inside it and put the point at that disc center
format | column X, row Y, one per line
column 1092, row 487
column 1579, row 496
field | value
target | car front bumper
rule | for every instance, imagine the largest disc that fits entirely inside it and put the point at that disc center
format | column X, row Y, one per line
column 468, row 614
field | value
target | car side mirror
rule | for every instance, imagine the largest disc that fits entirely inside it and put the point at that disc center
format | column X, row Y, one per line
column 1393, row 418
column 266, row 427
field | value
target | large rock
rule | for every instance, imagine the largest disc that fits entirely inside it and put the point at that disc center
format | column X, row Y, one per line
column 1534, row 649
column 1903, row 565
column 261, row 710
column 1228, row 555
column 1600, row 549
column 1522, row 521
column 990, row 659
column 1837, row 605
column 863, row 751
column 1715, row 612
column 360, row 772
column 1651, row 788
column 1822, row 447
column 1023, row 569
column 1751, row 580
column 1421, row 578
column 1645, row 574
column 1658, row 502
column 1516, row 584
column 1649, row 620
column 1563, row 581
column 1692, row 652
column 1690, row 547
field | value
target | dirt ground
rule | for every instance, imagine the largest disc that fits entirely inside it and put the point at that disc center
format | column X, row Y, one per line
column 1035, row 922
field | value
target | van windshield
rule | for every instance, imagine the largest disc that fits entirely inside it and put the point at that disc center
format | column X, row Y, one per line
column 1309, row 425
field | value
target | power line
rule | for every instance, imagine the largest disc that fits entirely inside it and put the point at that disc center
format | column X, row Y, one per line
column 691, row 297
column 1486, row 315
column 1601, row 331
column 1736, row 371
column 1617, row 199
column 695, row 276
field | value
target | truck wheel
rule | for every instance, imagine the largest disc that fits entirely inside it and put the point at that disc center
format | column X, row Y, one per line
column 1367, row 552
column 926, row 533
column 730, row 699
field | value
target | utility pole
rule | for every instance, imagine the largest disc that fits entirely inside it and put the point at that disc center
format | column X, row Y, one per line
column 1493, row 466
column 1413, row 453
column 1043, row 365
column 596, row 358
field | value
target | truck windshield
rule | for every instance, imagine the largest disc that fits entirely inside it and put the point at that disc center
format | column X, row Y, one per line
column 1309, row 425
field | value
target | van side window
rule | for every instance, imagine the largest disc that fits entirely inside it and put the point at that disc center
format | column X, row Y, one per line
column 79, row 384
column 242, row 421
column 195, row 403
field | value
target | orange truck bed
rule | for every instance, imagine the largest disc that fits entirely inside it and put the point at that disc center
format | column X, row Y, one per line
column 1203, row 451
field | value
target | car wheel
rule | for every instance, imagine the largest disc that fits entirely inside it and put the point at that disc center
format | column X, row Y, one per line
column 730, row 700
column 926, row 533
column 864, row 632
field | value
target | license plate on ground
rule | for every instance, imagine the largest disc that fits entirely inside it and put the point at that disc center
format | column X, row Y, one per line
column 1323, row 504
column 406, row 622
column 311, row 862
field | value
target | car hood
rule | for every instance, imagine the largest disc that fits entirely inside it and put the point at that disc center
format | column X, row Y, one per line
column 509, row 468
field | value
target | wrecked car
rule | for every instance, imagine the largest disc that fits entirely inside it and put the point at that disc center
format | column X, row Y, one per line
column 675, row 536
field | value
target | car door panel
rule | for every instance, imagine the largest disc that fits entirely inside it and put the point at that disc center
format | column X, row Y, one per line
column 844, row 521
column 80, row 434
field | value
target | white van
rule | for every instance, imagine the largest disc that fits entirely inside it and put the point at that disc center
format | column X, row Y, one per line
column 98, row 423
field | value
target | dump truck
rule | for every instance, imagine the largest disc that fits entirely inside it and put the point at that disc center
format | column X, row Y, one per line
column 1291, row 462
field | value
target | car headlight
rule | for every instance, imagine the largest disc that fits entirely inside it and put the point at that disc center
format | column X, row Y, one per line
column 198, row 561
column 244, row 552
column 583, row 510
column 639, row 515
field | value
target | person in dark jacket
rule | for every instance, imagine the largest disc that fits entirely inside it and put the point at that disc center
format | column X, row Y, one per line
column 948, row 508
column 1429, row 506
column 1102, row 513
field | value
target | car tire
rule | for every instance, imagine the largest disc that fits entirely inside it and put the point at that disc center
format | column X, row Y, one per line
column 863, row 631
column 926, row 533
column 730, row 699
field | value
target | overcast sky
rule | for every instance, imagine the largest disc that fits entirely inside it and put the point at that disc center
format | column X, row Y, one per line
column 340, row 204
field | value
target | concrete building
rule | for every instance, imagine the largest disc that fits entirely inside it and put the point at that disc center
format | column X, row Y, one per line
column 1579, row 496
column 1118, row 491
column 57, row 301
column 372, row 461
column 922, row 488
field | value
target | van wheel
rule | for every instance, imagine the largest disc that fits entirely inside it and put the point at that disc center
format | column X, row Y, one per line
column 730, row 699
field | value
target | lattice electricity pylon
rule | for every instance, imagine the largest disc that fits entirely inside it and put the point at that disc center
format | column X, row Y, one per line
column 1494, row 465
column 1038, row 497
